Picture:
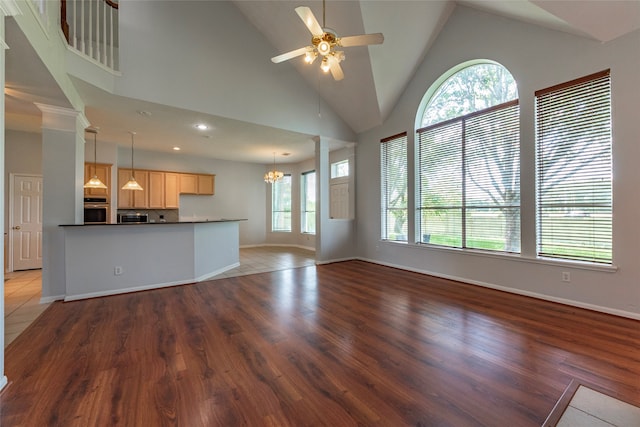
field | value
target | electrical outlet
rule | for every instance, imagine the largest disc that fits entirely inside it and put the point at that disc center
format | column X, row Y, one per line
column 566, row 276
column 117, row 270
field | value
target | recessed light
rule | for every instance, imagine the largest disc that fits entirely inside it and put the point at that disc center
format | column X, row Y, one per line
column 176, row 148
column 202, row 126
column 144, row 113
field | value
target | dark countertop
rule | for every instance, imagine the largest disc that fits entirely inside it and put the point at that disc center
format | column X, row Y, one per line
column 157, row 223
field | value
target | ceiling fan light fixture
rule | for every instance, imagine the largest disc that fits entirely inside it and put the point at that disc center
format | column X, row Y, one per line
column 310, row 57
column 325, row 66
column 324, row 47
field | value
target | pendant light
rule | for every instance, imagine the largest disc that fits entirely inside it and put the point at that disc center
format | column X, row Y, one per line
column 94, row 182
column 273, row 175
column 132, row 184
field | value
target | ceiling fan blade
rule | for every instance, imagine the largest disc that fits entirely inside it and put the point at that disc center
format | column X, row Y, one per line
column 336, row 69
column 289, row 55
column 309, row 20
column 361, row 40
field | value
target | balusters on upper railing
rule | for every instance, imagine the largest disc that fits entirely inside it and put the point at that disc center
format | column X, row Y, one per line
column 91, row 27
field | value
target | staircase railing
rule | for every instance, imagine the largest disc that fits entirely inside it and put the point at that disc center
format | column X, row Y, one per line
column 91, row 28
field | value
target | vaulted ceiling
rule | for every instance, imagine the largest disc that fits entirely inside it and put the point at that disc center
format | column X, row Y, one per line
column 375, row 76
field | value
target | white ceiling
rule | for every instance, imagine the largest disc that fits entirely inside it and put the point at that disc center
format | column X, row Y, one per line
column 375, row 76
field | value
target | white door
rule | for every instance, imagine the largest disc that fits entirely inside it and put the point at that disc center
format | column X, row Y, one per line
column 26, row 222
column 339, row 207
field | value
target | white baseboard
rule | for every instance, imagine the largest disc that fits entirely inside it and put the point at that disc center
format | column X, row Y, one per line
column 592, row 307
column 47, row 300
column 282, row 245
column 215, row 273
column 331, row 261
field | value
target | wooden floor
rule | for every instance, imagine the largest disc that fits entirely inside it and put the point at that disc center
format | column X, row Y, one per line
column 344, row 344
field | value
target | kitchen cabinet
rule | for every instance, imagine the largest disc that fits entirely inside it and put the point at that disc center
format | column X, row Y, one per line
column 188, row 183
column 156, row 190
column 206, row 184
column 103, row 172
column 161, row 190
column 171, row 195
column 128, row 199
column 201, row 184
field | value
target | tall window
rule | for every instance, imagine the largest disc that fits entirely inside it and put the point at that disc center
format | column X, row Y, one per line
column 468, row 162
column 574, row 185
column 393, row 174
column 308, row 211
column 281, row 204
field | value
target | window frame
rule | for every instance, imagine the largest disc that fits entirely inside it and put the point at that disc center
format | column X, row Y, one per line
column 461, row 240
column 275, row 187
column 304, row 199
column 592, row 230
column 385, row 147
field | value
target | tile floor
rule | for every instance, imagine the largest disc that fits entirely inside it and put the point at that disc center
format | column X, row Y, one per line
column 589, row 408
column 21, row 302
column 22, row 288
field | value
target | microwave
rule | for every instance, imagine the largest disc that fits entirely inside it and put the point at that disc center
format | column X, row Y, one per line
column 133, row 218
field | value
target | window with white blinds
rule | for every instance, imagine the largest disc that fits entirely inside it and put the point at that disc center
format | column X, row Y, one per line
column 574, row 170
column 393, row 179
column 308, row 208
column 469, row 180
column 281, row 204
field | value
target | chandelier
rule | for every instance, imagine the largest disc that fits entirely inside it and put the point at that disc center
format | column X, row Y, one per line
column 273, row 175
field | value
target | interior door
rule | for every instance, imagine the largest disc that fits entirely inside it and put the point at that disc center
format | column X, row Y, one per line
column 26, row 222
column 339, row 207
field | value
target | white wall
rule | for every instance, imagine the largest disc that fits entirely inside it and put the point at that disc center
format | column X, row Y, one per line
column 242, row 82
column 239, row 189
column 23, row 155
column 537, row 58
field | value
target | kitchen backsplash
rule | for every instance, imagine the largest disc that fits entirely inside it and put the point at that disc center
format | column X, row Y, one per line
column 155, row 215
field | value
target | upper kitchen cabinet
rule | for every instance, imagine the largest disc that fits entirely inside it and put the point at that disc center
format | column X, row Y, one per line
column 202, row 184
column 103, row 172
column 129, row 199
column 156, row 190
column 171, row 194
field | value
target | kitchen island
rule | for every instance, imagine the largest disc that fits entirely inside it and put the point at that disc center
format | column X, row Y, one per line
column 108, row 259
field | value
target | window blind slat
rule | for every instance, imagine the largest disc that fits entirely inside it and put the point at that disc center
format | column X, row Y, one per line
column 394, row 196
column 574, row 184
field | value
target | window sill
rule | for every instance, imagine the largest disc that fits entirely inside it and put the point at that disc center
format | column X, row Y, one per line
column 511, row 257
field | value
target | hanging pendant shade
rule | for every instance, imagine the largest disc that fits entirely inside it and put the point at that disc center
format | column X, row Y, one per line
column 132, row 184
column 94, row 182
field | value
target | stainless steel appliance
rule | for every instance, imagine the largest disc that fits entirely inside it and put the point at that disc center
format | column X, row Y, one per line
column 133, row 218
column 96, row 210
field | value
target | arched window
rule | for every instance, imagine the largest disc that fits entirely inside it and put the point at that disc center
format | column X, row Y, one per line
column 468, row 160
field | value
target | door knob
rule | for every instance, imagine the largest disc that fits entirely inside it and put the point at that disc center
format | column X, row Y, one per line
column 17, row 227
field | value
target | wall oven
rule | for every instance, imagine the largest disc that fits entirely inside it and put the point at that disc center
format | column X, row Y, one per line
column 96, row 210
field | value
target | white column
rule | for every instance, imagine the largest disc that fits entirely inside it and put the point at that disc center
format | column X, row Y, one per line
column 62, row 198
column 7, row 8
column 322, row 199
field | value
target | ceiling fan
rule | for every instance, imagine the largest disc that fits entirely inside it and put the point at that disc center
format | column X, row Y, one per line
column 325, row 42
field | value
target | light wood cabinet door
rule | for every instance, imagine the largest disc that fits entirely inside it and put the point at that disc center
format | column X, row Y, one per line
column 171, row 195
column 156, row 190
column 125, row 197
column 103, row 172
column 188, row 183
column 141, row 198
column 128, row 199
column 206, row 184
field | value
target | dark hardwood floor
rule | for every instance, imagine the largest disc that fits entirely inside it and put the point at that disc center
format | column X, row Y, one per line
column 344, row 344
